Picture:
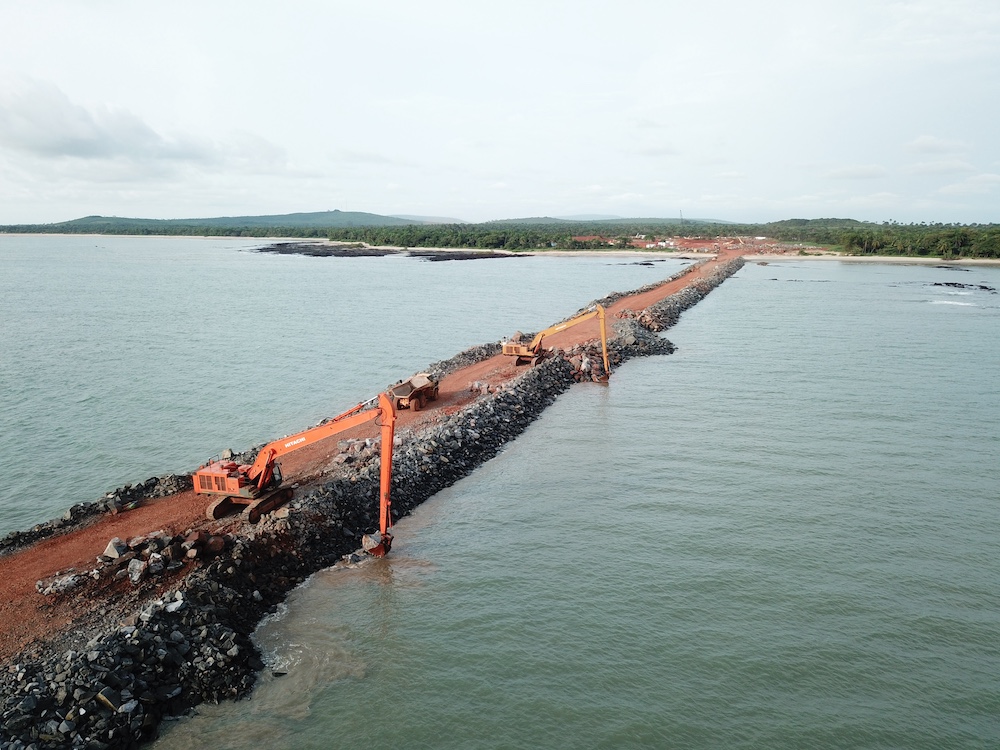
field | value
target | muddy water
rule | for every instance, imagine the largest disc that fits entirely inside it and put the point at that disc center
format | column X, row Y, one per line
column 782, row 536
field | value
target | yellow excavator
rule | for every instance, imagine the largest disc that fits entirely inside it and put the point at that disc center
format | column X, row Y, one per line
column 533, row 353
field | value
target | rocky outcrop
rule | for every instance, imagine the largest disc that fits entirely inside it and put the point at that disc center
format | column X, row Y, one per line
column 193, row 643
column 361, row 250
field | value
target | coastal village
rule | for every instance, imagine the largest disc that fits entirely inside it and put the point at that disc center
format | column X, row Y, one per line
column 653, row 243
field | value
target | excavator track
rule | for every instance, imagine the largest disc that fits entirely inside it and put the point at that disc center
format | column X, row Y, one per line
column 220, row 508
column 252, row 509
column 266, row 504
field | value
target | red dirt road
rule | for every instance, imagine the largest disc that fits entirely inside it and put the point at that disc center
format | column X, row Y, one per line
column 26, row 617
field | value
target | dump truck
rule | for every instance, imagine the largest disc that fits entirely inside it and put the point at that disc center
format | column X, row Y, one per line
column 414, row 392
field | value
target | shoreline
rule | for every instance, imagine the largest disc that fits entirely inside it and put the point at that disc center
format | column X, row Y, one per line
column 76, row 650
column 699, row 250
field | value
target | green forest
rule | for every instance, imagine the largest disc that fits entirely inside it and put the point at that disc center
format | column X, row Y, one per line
column 845, row 235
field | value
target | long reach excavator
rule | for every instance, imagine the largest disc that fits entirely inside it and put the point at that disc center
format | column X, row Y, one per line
column 533, row 353
column 258, row 486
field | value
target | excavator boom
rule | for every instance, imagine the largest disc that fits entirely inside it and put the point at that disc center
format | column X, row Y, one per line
column 258, row 486
column 379, row 545
column 533, row 352
column 536, row 343
column 260, row 471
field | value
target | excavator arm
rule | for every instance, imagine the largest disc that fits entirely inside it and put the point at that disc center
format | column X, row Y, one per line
column 536, row 343
column 228, row 480
column 534, row 349
column 379, row 546
column 261, row 472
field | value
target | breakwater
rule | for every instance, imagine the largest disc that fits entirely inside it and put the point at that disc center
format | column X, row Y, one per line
column 113, row 502
column 193, row 643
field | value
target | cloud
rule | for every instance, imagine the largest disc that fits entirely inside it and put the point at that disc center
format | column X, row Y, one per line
column 977, row 185
column 929, row 144
column 39, row 123
column 657, row 151
column 369, row 158
column 858, row 172
column 647, row 123
column 941, row 166
column 38, row 119
column 625, row 198
column 882, row 199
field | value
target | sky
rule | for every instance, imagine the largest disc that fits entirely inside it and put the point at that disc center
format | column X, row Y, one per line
column 739, row 110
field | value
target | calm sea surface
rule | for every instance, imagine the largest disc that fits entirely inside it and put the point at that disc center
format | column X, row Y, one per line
column 783, row 536
column 124, row 358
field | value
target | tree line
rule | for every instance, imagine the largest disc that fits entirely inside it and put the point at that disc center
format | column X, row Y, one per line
column 889, row 238
column 847, row 235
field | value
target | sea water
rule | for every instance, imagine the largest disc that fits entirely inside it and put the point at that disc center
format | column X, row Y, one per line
column 782, row 536
column 125, row 358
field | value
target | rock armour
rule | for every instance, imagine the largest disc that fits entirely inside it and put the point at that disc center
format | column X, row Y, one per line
column 194, row 644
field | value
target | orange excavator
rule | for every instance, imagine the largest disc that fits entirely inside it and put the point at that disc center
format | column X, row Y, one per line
column 258, row 486
column 533, row 353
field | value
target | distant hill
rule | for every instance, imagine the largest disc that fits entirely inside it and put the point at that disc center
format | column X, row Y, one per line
column 590, row 217
column 546, row 232
column 429, row 219
column 316, row 224
column 606, row 220
column 528, row 221
column 222, row 225
column 654, row 221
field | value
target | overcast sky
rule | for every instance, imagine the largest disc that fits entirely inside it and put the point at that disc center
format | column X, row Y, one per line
column 478, row 110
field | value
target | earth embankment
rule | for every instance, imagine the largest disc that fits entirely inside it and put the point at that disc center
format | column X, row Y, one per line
column 101, row 662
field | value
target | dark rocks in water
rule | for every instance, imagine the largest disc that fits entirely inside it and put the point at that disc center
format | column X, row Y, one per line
column 439, row 255
column 959, row 285
column 359, row 250
column 325, row 250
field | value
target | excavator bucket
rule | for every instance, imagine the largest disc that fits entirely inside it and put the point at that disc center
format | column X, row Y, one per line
column 376, row 544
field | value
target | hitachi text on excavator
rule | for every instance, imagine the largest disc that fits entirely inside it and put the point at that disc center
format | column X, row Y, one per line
column 258, row 486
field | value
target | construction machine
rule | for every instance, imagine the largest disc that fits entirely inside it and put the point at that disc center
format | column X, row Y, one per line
column 414, row 392
column 258, row 486
column 533, row 353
